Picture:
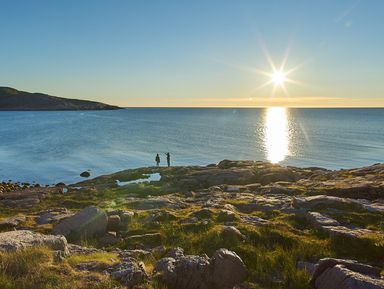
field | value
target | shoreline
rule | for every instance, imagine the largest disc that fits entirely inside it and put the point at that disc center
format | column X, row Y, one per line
column 256, row 217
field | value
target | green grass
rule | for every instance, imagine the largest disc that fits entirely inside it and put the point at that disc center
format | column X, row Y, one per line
column 35, row 268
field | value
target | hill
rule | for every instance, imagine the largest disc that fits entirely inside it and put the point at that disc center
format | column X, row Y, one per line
column 13, row 99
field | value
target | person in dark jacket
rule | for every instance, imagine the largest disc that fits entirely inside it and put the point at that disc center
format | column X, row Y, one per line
column 168, row 159
column 157, row 159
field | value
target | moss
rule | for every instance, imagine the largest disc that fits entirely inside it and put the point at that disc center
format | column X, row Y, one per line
column 106, row 258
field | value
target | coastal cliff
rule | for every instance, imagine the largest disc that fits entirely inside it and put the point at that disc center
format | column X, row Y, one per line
column 13, row 99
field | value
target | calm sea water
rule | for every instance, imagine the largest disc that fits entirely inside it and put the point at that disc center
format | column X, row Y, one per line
column 49, row 147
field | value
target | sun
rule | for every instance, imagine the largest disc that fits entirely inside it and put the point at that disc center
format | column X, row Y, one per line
column 278, row 78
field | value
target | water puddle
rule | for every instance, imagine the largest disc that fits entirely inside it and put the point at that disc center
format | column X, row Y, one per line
column 155, row 177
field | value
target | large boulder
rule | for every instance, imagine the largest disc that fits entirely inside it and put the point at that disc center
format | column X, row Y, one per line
column 87, row 223
column 346, row 274
column 227, row 269
column 17, row 240
column 185, row 272
column 223, row 271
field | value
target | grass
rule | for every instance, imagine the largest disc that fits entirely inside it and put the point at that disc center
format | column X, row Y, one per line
column 108, row 259
column 35, row 268
column 270, row 252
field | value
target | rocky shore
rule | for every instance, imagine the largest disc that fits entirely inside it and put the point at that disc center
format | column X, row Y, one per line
column 237, row 224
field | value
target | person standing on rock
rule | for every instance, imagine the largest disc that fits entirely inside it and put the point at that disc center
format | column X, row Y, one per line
column 168, row 159
column 157, row 159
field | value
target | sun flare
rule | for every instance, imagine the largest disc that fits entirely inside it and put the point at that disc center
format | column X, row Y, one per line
column 278, row 78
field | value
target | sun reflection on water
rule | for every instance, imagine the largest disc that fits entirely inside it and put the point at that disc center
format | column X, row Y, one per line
column 276, row 134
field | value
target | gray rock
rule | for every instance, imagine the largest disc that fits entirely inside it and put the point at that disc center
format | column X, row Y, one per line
column 319, row 200
column 185, row 272
column 226, row 216
column 17, row 240
column 131, row 273
column 85, row 174
column 254, row 220
column 320, row 220
column 306, row 266
column 223, row 271
column 342, row 231
column 80, row 250
column 347, row 274
column 149, row 240
column 87, row 223
column 227, row 269
column 136, row 253
column 53, row 216
column 91, row 266
column 158, row 203
column 114, row 223
column 231, row 233
column 204, row 213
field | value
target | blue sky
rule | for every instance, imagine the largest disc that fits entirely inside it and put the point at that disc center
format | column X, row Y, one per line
column 195, row 53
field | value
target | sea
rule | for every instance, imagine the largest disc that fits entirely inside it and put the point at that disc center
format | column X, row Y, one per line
column 48, row 147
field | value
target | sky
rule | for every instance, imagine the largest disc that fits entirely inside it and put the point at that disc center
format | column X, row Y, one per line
column 198, row 53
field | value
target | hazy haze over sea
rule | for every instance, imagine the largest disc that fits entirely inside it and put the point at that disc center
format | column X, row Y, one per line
column 49, row 147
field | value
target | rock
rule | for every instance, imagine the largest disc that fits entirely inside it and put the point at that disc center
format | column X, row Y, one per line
column 231, row 233
column 306, row 266
column 335, row 231
column 158, row 203
column 276, row 174
column 254, row 220
column 53, row 216
column 85, row 174
column 227, row 269
column 109, row 239
column 203, row 214
column 161, row 216
column 131, row 273
column 136, row 254
column 190, row 220
column 202, row 178
column 226, row 216
column 79, row 250
column 175, row 253
column 320, row 220
column 11, row 222
column 223, row 271
column 185, row 272
column 370, row 206
column 226, row 164
column 17, row 240
column 87, row 223
column 337, row 273
column 319, row 200
column 267, row 203
column 126, row 217
column 144, row 241
column 114, row 223
column 92, row 266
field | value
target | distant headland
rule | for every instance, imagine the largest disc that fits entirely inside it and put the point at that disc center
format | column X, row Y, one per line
column 13, row 99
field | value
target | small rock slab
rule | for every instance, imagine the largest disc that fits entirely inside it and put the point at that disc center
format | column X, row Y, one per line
column 320, row 220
